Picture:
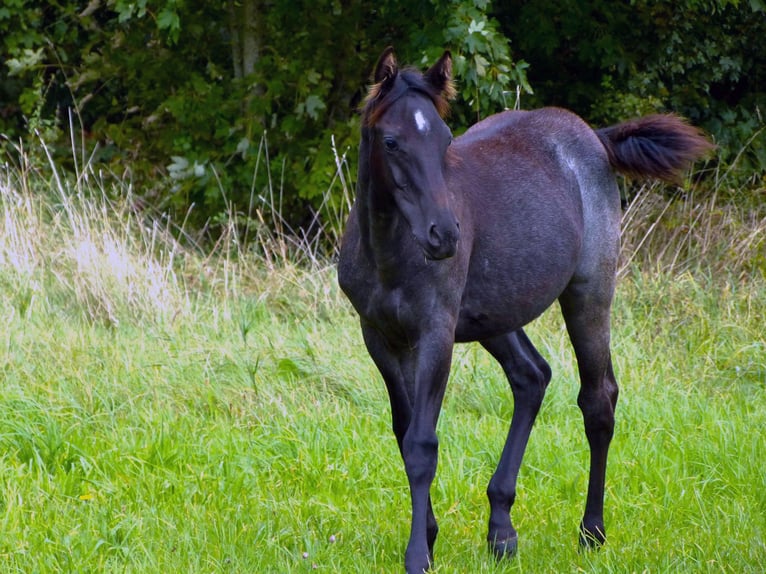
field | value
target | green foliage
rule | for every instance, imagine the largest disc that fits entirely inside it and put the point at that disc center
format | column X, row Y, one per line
column 612, row 60
column 154, row 83
column 210, row 108
column 483, row 61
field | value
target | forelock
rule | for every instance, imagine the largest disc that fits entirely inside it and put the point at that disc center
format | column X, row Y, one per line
column 379, row 100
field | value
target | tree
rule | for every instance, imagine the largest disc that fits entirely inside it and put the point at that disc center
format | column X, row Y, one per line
column 208, row 105
column 195, row 86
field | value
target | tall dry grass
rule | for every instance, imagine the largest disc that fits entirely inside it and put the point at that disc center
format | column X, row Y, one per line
column 268, row 234
column 82, row 244
column 715, row 232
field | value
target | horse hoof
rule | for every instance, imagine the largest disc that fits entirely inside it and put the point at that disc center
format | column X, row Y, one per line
column 505, row 548
column 591, row 540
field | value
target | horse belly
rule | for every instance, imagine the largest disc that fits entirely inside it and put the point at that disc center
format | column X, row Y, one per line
column 484, row 321
column 504, row 294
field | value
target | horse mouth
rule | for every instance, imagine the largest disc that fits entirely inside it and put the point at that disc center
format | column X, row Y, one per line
column 442, row 251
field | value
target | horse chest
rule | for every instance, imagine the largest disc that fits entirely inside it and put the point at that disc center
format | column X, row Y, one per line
column 389, row 310
column 392, row 302
column 392, row 309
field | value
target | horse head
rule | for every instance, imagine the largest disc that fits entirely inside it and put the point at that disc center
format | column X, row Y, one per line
column 408, row 142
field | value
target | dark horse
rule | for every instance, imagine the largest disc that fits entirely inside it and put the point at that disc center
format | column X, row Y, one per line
column 471, row 239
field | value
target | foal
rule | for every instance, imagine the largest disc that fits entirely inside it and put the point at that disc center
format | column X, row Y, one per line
column 469, row 239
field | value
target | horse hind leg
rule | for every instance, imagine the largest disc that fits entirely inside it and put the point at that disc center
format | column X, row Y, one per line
column 528, row 375
column 586, row 309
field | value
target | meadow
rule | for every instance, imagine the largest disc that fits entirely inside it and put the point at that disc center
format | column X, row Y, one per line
column 168, row 408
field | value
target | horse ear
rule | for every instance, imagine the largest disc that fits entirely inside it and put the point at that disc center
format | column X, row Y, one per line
column 440, row 76
column 386, row 68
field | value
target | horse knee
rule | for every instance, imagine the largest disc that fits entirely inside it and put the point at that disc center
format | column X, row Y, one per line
column 420, row 457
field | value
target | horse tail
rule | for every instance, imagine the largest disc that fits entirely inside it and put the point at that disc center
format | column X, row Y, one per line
column 658, row 146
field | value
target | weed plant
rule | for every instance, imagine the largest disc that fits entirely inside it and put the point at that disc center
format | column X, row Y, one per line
column 167, row 408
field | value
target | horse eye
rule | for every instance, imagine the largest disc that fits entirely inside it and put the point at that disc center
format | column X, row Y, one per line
column 390, row 143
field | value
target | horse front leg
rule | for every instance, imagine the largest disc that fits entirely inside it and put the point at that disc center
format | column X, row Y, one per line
column 528, row 374
column 397, row 370
column 433, row 356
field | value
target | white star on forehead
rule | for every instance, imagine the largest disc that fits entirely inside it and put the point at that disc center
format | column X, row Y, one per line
column 421, row 122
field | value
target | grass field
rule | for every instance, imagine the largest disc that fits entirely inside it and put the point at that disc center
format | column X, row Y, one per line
column 164, row 410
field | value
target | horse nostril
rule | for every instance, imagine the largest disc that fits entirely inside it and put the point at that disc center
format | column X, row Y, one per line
column 437, row 236
column 441, row 240
column 433, row 235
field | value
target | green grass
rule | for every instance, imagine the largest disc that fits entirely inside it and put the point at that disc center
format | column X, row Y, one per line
column 185, row 447
column 178, row 412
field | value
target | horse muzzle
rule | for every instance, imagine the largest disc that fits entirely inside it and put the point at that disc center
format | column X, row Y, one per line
column 442, row 240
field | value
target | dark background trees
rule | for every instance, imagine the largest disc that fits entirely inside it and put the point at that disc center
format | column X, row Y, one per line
column 208, row 104
column 611, row 60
